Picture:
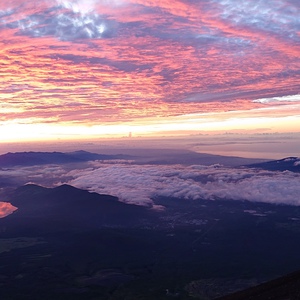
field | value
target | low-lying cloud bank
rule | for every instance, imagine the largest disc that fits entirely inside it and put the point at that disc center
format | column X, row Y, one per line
column 141, row 184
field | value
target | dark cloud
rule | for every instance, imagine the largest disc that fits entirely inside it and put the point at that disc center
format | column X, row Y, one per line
column 6, row 13
column 263, row 17
column 123, row 65
column 66, row 25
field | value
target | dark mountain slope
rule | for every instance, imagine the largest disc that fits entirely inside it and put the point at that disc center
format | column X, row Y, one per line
column 286, row 164
column 187, row 157
column 286, row 287
column 66, row 243
column 66, row 208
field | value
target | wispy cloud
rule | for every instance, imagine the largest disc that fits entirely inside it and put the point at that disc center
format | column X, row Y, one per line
column 281, row 100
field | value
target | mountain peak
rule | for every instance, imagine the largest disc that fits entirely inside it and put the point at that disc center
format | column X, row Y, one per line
column 66, row 207
column 291, row 163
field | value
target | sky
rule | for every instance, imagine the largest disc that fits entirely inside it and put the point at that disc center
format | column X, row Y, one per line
column 75, row 69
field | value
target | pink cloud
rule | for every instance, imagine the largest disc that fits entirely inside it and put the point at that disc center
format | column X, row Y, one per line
column 81, row 61
column 6, row 209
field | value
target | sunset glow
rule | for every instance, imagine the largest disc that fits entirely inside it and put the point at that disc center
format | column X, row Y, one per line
column 6, row 209
column 74, row 69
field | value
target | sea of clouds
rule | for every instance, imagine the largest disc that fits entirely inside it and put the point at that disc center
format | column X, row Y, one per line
column 142, row 184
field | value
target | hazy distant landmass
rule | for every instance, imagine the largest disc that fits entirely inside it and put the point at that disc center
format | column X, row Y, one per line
column 41, row 158
column 150, row 156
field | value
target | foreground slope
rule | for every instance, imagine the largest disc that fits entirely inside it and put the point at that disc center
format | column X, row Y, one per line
column 283, row 288
column 149, row 156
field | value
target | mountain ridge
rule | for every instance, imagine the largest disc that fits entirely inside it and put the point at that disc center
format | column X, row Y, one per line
column 291, row 163
column 150, row 156
column 65, row 207
column 30, row 158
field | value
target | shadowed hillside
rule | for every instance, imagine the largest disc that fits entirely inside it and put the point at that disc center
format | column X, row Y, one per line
column 67, row 208
column 283, row 288
column 73, row 244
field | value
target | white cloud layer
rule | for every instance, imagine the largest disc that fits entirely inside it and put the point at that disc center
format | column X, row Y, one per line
column 140, row 184
column 284, row 99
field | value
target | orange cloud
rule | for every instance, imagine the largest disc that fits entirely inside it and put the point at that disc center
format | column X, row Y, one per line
column 6, row 209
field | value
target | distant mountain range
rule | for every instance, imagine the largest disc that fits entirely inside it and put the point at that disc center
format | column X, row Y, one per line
column 162, row 157
column 286, row 164
column 41, row 158
column 143, row 156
